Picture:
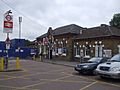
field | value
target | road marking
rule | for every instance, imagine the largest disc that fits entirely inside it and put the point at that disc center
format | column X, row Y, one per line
column 12, row 77
column 9, row 86
column 86, row 78
column 88, row 85
column 45, row 82
column 32, row 85
column 70, row 81
column 41, row 73
column 109, row 83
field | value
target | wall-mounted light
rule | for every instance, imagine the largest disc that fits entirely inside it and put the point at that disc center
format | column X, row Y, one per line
column 95, row 42
column 56, row 40
column 80, row 46
column 66, row 42
column 100, row 42
column 90, row 46
column 83, row 45
column 86, row 42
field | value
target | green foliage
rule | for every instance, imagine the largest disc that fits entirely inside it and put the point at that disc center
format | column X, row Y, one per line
column 28, row 43
column 115, row 22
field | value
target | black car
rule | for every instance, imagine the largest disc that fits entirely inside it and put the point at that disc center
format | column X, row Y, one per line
column 90, row 66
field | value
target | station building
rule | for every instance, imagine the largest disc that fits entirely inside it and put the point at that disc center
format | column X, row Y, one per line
column 72, row 42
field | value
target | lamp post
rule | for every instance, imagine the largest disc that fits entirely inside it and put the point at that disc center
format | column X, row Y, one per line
column 20, row 20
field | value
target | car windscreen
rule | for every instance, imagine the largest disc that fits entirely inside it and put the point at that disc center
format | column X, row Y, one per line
column 115, row 58
column 94, row 60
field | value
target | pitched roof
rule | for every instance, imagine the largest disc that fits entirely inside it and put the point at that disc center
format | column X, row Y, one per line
column 42, row 36
column 72, row 28
column 100, row 31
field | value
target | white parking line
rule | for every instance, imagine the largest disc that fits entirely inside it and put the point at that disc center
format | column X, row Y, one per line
column 88, row 85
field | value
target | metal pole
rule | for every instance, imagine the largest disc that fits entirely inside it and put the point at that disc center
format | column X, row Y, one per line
column 20, row 20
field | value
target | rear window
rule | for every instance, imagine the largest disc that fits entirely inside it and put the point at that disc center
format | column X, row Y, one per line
column 115, row 58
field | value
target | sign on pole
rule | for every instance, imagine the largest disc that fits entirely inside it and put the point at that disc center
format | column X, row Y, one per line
column 7, row 42
column 8, row 23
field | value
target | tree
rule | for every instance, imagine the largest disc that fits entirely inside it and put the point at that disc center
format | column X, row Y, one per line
column 28, row 43
column 115, row 22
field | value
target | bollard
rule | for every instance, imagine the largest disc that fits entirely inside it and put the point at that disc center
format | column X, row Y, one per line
column 40, row 58
column 17, row 63
column 2, row 63
column 34, row 57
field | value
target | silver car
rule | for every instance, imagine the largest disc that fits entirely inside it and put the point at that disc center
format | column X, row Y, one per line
column 110, row 69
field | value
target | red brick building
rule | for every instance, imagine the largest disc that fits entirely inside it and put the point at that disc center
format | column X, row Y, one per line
column 72, row 42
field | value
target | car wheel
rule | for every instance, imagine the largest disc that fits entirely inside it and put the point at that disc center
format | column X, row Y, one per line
column 80, row 72
column 102, row 77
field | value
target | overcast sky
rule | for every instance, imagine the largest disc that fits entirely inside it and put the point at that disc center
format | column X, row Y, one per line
column 39, row 15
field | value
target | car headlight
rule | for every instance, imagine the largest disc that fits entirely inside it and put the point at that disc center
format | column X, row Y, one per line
column 86, row 66
column 115, row 69
column 76, row 65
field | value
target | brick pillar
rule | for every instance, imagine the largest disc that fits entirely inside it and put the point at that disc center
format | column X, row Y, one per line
column 70, row 49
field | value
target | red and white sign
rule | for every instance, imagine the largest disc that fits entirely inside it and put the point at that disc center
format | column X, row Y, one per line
column 8, row 23
column 45, row 41
column 8, row 18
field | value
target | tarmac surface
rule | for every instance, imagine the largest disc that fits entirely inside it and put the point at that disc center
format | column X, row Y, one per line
column 52, row 75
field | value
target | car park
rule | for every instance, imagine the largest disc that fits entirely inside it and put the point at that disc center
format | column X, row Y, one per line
column 110, row 69
column 90, row 66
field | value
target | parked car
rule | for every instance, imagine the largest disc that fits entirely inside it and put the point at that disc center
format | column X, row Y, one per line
column 110, row 69
column 90, row 66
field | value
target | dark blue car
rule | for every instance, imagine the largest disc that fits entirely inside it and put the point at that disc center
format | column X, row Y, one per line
column 90, row 66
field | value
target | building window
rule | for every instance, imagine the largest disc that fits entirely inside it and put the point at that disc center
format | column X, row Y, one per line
column 118, row 48
column 77, row 51
column 107, row 53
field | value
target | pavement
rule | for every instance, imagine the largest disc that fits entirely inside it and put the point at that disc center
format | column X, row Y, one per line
column 60, row 62
column 46, row 75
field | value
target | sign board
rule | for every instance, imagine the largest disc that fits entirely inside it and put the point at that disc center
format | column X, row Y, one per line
column 7, row 42
column 8, row 23
column 7, row 46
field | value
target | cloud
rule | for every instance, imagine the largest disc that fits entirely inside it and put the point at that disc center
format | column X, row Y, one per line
column 38, row 15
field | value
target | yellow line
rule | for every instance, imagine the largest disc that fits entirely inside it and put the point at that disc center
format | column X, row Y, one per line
column 11, row 77
column 109, row 84
column 85, row 78
column 88, row 86
column 8, row 86
column 70, row 81
column 33, row 85
column 62, row 77
column 41, row 73
column 97, row 81
column 44, row 82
